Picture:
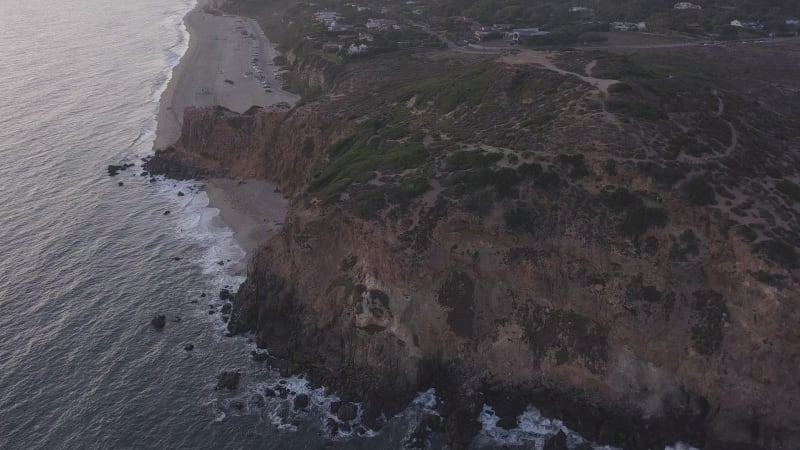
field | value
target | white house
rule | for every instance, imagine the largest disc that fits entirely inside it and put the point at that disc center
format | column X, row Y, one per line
column 792, row 21
column 751, row 24
column 687, row 5
column 580, row 9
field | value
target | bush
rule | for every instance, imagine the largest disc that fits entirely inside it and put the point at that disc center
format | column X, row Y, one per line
column 521, row 217
column 699, row 192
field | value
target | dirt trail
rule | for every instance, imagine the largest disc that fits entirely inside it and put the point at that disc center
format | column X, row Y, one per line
column 544, row 59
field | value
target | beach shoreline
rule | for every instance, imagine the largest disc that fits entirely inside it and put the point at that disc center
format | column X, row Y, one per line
column 228, row 63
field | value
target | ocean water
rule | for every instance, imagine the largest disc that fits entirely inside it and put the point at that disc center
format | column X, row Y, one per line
column 86, row 263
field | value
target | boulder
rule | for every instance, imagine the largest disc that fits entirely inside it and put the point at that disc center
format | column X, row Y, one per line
column 557, row 442
column 159, row 321
column 301, row 401
column 225, row 294
column 181, row 194
column 188, row 347
column 228, row 380
column 166, row 213
column 259, row 356
column 226, row 308
column 347, row 412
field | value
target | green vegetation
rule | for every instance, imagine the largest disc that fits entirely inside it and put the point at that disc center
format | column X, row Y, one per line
column 637, row 217
column 357, row 158
column 521, row 217
column 452, row 90
column 471, row 160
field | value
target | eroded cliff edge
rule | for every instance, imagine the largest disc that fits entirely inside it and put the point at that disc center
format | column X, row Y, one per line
column 627, row 262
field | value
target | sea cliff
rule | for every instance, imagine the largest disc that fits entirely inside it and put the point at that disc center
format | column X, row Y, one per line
column 511, row 235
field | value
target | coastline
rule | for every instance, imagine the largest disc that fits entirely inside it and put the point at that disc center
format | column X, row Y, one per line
column 225, row 57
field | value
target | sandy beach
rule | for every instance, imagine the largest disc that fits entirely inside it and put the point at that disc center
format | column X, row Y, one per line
column 228, row 63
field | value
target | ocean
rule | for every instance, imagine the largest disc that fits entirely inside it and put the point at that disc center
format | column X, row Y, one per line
column 89, row 259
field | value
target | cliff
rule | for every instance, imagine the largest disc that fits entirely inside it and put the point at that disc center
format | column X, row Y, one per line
column 510, row 235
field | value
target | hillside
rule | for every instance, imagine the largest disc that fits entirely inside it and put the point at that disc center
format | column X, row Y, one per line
column 619, row 248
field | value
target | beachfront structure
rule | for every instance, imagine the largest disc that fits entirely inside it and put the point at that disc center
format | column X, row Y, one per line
column 580, row 9
column 687, row 5
column 792, row 21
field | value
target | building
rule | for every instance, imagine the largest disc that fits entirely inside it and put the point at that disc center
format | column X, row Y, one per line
column 580, row 9
column 327, row 17
column 687, row 5
column 382, row 24
column 749, row 24
column 517, row 34
column 792, row 21
column 340, row 27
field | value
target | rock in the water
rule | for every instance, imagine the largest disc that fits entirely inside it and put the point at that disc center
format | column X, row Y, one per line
column 181, row 194
column 226, row 308
column 225, row 294
column 120, row 183
column 257, row 401
column 166, row 213
column 228, row 380
column 189, row 347
column 301, row 401
column 259, row 356
column 347, row 412
column 270, row 393
column 203, row 295
column 557, row 442
column 159, row 321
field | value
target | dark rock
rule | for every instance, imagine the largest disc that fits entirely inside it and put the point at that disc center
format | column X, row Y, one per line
column 225, row 294
column 143, row 174
column 237, row 406
column 211, row 312
column 226, row 308
column 193, row 302
column 301, row 401
column 166, row 213
column 335, row 406
column 270, row 393
column 228, row 380
column 120, row 183
column 259, row 356
column 180, row 194
column 152, row 179
column 177, row 319
column 203, row 295
column 189, row 347
column 333, row 427
column 226, row 318
column 557, row 442
column 177, row 258
column 347, row 412
column 159, row 321
column 257, row 401
column 220, row 263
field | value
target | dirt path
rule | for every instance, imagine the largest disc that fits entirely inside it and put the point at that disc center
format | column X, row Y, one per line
column 544, row 59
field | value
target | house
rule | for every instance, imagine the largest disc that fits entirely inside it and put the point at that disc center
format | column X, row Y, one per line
column 357, row 49
column 340, row 27
column 327, row 17
column 580, row 9
column 687, row 5
column 502, row 26
column 624, row 26
column 382, row 24
column 749, row 24
column 792, row 21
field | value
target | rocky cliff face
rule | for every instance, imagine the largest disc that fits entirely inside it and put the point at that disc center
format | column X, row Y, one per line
column 548, row 246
